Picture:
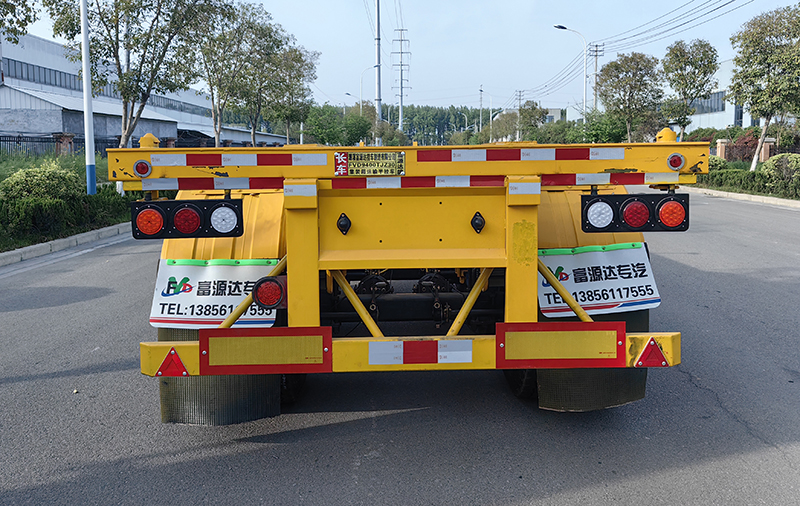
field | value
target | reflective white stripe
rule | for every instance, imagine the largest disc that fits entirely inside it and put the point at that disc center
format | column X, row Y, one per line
column 231, row 183
column 168, row 160
column 300, row 190
column 250, row 159
column 607, row 154
column 160, row 183
column 592, row 179
column 455, row 352
column 544, row 154
column 383, row 182
column 468, row 155
column 310, row 159
column 452, row 181
column 661, row 177
column 524, row 188
column 386, row 353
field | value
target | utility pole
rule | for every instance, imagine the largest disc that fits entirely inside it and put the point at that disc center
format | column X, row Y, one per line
column 596, row 50
column 519, row 114
column 402, row 67
column 379, row 140
column 480, row 114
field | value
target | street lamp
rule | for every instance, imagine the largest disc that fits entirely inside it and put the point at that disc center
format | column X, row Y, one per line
column 466, row 121
column 562, row 27
column 349, row 95
column 361, row 91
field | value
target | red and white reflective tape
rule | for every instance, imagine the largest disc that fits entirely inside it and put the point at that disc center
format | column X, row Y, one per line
column 628, row 178
column 380, row 182
column 519, row 154
column 420, row 352
column 236, row 159
column 212, row 183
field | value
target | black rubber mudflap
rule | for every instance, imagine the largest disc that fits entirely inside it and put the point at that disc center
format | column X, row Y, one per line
column 589, row 389
column 216, row 400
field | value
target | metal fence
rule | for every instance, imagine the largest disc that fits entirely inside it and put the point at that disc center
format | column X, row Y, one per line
column 27, row 146
column 100, row 145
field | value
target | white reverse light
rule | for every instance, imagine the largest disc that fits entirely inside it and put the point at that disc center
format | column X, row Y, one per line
column 223, row 219
column 599, row 214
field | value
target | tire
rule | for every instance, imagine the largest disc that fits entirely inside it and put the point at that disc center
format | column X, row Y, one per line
column 291, row 388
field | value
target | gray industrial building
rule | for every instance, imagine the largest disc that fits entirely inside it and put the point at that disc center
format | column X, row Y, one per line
column 41, row 96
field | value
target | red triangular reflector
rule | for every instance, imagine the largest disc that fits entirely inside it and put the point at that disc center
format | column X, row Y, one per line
column 172, row 365
column 652, row 356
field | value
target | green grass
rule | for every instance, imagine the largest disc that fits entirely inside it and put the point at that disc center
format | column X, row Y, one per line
column 10, row 164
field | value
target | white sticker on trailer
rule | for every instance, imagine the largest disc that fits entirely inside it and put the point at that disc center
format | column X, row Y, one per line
column 386, row 353
column 200, row 297
column 168, row 160
column 602, row 282
column 455, row 351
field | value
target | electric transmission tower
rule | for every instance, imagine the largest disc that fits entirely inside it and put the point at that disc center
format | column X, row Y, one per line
column 596, row 50
column 403, row 68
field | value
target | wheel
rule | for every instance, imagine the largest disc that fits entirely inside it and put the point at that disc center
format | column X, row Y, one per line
column 291, row 388
column 522, row 382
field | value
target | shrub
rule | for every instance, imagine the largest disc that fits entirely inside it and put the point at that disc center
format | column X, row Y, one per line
column 46, row 182
column 783, row 174
column 716, row 163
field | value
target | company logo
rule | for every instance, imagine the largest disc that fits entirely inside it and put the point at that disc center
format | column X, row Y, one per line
column 174, row 287
column 559, row 274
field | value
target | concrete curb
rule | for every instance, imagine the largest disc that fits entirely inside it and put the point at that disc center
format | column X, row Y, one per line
column 37, row 250
column 760, row 199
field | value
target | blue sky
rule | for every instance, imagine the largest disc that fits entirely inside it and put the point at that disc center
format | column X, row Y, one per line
column 504, row 46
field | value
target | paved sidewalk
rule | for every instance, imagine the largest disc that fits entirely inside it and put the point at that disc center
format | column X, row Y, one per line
column 761, row 199
column 37, row 250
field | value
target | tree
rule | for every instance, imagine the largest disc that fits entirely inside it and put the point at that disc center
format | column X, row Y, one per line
column 141, row 47
column 356, row 127
column 324, row 124
column 630, row 87
column 531, row 115
column 16, row 16
column 223, row 51
column 288, row 91
column 766, row 74
column 689, row 70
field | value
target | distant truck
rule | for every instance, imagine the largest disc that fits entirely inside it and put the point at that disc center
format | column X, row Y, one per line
column 520, row 257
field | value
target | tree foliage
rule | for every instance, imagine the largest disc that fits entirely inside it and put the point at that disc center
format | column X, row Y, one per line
column 16, row 15
column 630, row 87
column 141, row 46
column 288, row 94
column 689, row 69
column 766, row 74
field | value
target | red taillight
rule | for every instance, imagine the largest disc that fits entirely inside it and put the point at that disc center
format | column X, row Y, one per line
column 676, row 161
column 142, row 168
column 187, row 220
column 636, row 214
column 150, row 221
column 672, row 214
column 268, row 293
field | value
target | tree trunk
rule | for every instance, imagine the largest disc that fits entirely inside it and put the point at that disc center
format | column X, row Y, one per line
column 680, row 136
column 628, row 127
column 760, row 143
column 287, row 131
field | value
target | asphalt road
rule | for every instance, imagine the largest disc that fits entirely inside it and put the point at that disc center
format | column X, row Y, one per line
column 80, row 425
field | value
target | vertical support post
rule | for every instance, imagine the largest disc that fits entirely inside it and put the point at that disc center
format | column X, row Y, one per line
column 302, row 250
column 522, row 248
column 88, row 116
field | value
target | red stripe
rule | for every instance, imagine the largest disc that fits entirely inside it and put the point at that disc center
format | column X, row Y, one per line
column 572, row 153
column 266, row 183
column 493, row 155
column 487, row 180
column 435, row 155
column 632, row 178
column 354, row 183
column 274, row 159
column 418, row 182
column 196, row 183
column 558, row 179
column 420, row 352
column 209, row 160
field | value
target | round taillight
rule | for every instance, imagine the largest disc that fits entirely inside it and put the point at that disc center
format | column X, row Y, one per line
column 142, row 168
column 268, row 293
column 676, row 161
column 150, row 221
column 635, row 214
column 600, row 214
column 224, row 219
column 672, row 214
column 186, row 220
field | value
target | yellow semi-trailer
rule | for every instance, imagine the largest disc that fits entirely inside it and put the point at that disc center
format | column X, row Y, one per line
column 526, row 258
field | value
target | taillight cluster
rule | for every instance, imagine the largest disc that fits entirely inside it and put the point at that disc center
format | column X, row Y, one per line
column 270, row 292
column 634, row 213
column 160, row 219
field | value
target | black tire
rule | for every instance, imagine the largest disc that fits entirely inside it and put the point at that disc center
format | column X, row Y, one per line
column 291, row 388
column 522, row 382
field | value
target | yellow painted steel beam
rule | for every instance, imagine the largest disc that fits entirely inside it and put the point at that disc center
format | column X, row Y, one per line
column 153, row 354
column 242, row 307
column 357, row 305
column 563, row 292
column 461, row 317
